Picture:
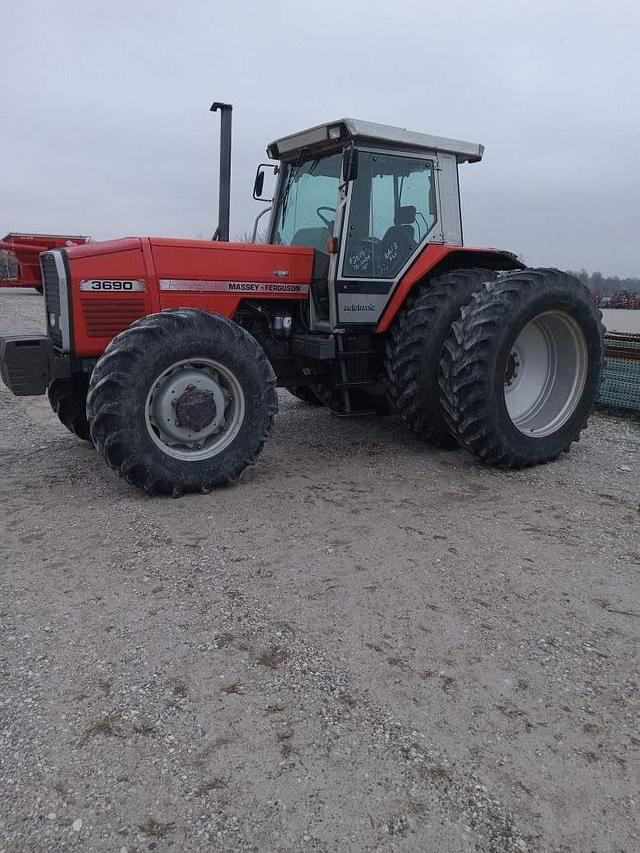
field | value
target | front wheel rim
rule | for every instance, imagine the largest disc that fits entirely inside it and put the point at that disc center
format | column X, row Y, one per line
column 545, row 374
column 214, row 385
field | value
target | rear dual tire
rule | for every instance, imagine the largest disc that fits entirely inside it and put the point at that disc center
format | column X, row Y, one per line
column 520, row 370
column 506, row 365
column 414, row 347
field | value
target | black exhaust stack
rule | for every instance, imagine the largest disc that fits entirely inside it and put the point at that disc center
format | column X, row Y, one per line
column 224, row 199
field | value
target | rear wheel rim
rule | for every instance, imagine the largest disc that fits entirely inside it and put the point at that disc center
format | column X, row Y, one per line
column 216, row 385
column 545, row 374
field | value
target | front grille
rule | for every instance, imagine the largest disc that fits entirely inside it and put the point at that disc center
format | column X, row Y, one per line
column 105, row 318
column 51, row 283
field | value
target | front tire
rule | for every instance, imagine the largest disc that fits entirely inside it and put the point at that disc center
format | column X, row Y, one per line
column 520, row 371
column 182, row 401
column 68, row 399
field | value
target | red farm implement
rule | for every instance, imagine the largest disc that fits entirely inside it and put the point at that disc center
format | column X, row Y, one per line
column 20, row 257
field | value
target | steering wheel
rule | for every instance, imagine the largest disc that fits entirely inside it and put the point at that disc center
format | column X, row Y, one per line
column 327, row 222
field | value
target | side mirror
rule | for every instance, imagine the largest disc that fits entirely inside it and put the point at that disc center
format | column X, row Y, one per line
column 258, row 184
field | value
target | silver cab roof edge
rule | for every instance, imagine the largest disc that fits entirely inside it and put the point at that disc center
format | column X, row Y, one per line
column 374, row 134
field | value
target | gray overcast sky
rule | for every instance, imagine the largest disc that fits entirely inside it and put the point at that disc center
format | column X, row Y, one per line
column 105, row 129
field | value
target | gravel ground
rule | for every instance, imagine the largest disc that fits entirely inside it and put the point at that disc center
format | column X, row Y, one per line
column 367, row 645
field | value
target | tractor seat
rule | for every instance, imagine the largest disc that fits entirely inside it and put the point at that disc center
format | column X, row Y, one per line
column 398, row 242
column 315, row 238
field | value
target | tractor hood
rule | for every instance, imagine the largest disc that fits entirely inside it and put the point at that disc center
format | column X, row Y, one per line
column 95, row 291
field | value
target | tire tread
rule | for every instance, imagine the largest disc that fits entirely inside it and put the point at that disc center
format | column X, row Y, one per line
column 108, row 419
column 68, row 399
column 466, row 358
column 427, row 314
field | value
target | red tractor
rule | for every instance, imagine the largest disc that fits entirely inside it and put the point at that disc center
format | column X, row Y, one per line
column 20, row 257
column 166, row 354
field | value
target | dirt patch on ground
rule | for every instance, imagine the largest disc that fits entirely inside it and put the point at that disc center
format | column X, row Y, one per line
column 367, row 645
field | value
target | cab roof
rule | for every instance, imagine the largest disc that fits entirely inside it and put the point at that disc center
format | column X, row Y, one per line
column 370, row 133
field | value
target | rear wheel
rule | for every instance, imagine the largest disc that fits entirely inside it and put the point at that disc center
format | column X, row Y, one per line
column 182, row 401
column 68, row 399
column 414, row 346
column 520, row 371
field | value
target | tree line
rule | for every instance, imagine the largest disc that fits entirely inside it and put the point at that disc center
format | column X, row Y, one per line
column 607, row 285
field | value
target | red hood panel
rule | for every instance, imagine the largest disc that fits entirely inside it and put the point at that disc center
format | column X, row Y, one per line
column 199, row 260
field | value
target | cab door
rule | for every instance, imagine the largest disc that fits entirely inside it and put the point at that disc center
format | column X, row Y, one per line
column 391, row 211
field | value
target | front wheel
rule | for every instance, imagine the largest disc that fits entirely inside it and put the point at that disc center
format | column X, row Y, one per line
column 68, row 399
column 520, row 370
column 182, row 401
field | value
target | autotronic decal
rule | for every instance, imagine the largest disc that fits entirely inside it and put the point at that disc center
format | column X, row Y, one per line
column 202, row 285
column 360, row 307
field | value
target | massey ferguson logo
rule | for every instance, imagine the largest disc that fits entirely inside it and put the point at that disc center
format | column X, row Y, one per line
column 256, row 287
column 214, row 286
column 111, row 284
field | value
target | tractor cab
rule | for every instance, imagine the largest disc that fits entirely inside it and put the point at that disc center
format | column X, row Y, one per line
column 367, row 198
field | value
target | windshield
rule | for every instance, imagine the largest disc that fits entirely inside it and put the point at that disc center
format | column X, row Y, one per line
column 307, row 206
